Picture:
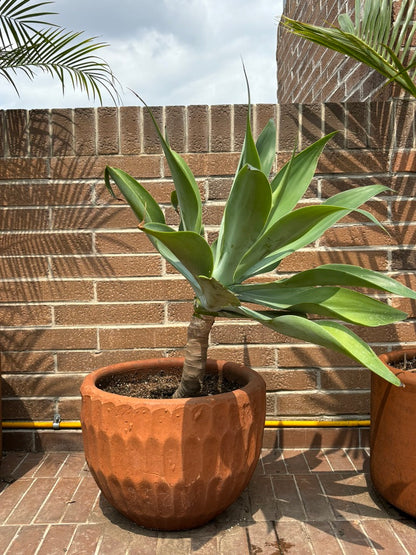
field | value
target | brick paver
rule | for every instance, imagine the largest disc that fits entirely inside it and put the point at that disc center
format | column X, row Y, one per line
column 299, row 502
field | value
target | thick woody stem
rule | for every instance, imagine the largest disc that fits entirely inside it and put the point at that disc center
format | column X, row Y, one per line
column 195, row 356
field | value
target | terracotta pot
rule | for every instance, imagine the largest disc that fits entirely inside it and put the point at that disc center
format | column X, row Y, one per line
column 393, row 435
column 173, row 464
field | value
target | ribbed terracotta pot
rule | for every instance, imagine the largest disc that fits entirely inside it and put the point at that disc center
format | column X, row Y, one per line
column 173, row 464
column 393, row 435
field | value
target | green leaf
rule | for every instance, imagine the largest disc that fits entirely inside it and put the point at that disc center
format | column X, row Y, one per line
column 244, row 217
column 143, row 204
column 189, row 247
column 332, row 335
column 249, row 154
column 266, row 147
column 294, row 178
column 347, row 275
column 335, row 302
column 187, row 191
column 295, row 230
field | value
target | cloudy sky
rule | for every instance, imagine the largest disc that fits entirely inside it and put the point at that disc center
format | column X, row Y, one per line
column 169, row 51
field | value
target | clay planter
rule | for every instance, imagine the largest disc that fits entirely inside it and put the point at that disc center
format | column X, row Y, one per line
column 393, row 436
column 173, row 464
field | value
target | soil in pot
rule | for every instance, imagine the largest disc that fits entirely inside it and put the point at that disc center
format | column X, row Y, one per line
column 161, row 385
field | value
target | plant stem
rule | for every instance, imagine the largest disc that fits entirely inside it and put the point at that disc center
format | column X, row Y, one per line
column 195, row 356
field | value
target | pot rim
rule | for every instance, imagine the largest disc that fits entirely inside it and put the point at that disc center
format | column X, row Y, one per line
column 89, row 388
column 405, row 376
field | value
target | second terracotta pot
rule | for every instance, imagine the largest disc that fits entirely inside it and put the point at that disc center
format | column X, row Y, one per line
column 176, row 463
column 393, row 435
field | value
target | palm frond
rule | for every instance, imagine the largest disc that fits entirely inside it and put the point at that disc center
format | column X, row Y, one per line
column 373, row 38
column 19, row 19
column 62, row 54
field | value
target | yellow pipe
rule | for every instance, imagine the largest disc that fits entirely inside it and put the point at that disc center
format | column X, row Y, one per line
column 40, row 425
column 315, row 423
column 75, row 424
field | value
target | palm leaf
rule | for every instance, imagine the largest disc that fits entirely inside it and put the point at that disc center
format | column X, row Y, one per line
column 373, row 39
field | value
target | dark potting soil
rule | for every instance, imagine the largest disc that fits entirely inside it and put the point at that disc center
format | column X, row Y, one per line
column 406, row 364
column 161, row 385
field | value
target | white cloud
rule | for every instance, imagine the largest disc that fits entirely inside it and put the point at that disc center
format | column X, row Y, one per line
column 182, row 52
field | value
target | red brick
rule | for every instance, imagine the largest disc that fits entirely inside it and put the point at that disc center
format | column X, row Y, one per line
column 85, row 131
column 291, row 380
column 46, row 243
column 45, row 194
column 26, row 219
column 320, row 404
column 108, row 314
column 107, row 266
column 59, row 290
column 356, row 122
column 198, row 134
column 88, row 167
column 62, row 132
column 59, row 440
column 130, row 130
column 240, row 123
column 19, row 266
column 288, row 129
column 356, row 161
column 144, row 337
column 23, row 168
column 135, row 242
column 40, row 386
column 27, row 540
column 57, row 539
column 18, row 362
column 17, row 315
column 107, row 125
column 151, row 143
column 86, row 539
column 311, row 129
column 88, row 361
column 39, row 136
column 83, row 500
column 27, row 508
column 262, row 114
column 144, row 290
column 220, row 128
column 215, row 163
column 93, row 218
column 49, row 339
column 175, row 127
column 17, row 135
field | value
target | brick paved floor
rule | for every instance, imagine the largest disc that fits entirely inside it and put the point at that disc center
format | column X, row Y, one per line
column 298, row 502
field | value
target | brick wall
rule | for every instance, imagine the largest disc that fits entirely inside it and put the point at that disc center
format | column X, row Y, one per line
column 81, row 287
column 308, row 73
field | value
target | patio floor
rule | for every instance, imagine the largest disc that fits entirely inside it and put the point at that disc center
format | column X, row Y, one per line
column 299, row 501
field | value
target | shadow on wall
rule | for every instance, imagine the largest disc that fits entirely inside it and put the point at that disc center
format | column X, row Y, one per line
column 47, row 256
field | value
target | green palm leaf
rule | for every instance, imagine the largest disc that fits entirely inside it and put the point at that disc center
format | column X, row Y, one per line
column 28, row 43
column 375, row 38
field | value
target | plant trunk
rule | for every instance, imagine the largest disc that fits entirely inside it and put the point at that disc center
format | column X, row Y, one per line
column 195, row 356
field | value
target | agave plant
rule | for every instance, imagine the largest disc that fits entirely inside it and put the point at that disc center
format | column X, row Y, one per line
column 375, row 38
column 261, row 226
column 28, row 42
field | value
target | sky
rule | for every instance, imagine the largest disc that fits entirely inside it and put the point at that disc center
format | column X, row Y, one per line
column 171, row 52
